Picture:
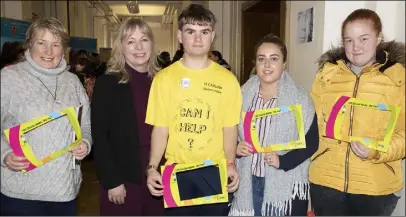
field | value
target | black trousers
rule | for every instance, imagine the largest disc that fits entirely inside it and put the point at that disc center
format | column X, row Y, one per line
column 17, row 207
column 330, row 202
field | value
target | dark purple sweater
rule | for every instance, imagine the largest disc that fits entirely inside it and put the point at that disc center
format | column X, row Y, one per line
column 140, row 84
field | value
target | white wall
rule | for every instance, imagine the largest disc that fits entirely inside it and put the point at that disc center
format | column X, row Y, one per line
column 392, row 14
column 400, row 35
column 302, row 57
column 235, row 19
column 163, row 38
column 222, row 11
column 22, row 10
column 228, row 31
column 335, row 13
column 81, row 17
column 174, row 33
column 12, row 9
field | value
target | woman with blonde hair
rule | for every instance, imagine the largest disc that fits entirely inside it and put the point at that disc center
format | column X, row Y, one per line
column 38, row 86
column 119, row 105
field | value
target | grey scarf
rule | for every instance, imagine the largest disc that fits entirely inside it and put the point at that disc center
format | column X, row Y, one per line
column 280, row 186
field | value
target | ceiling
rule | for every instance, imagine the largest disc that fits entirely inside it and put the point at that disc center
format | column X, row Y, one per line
column 150, row 11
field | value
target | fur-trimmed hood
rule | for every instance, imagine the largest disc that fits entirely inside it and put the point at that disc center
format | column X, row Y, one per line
column 388, row 53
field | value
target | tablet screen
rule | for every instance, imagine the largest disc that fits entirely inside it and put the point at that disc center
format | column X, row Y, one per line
column 198, row 183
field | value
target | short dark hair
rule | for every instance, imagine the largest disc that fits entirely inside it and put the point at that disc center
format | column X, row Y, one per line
column 272, row 38
column 178, row 55
column 95, row 55
column 165, row 54
column 82, row 61
column 196, row 14
column 11, row 53
column 217, row 54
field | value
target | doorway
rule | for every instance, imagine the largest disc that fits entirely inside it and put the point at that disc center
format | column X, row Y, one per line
column 258, row 19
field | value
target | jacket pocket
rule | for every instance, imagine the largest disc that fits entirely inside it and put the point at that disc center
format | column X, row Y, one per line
column 320, row 154
column 390, row 168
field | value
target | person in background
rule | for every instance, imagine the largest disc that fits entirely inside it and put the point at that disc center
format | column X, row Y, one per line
column 274, row 183
column 195, row 82
column 75, row 56
column 122, row 137
column 12, row 53
column 348, row 178
column 101, row 70
column 91, row 73
column 164, row 59
column 217, row 57
column 82, row 54
column 38, row 86
column 81, row 63
column 178, row 55
column 96, row 58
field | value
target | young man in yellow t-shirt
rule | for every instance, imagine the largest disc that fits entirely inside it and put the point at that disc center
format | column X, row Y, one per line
column 194, row 106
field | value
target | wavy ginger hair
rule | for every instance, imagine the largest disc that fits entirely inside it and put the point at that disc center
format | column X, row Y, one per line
column 116, row 64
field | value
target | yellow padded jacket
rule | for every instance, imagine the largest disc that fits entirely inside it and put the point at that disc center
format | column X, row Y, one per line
column 334, row 164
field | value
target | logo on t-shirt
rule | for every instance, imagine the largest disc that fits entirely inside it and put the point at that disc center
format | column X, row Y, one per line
column 185, row 82
column 194, row 124
column 213, row 87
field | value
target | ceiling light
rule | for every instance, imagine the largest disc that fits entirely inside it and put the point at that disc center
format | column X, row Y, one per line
column 133, row 7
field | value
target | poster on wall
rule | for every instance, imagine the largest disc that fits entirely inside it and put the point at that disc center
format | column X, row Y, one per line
column 77, row 44
column 305, row 26
column 12, row 30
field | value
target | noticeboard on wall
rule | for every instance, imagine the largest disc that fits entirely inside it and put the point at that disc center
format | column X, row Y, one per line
column 80, row 43
column 12, row 30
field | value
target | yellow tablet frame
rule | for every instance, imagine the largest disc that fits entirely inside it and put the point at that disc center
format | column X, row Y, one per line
column 19, row 144
column 336, row 118
column 251, row 135
column 171, row 190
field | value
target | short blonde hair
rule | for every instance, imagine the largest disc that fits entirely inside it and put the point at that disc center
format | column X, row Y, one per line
column 51, row 24
column 116, row 64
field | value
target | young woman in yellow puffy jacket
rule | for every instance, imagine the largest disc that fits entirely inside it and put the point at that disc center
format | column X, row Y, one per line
column 347, row 177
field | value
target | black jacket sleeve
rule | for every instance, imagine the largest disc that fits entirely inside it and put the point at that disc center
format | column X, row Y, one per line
column 295, row 157
column 101, row 114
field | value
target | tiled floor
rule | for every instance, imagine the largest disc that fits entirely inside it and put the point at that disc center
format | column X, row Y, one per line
column 88, row 199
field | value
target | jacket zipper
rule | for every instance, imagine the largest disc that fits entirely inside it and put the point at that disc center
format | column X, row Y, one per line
column 390, row 168
column 323, row 152
column 347, row 155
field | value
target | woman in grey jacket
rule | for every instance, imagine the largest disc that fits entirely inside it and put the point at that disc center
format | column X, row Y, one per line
column 30, row 89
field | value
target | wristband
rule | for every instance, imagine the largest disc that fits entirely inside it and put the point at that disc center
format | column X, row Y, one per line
column 230, row 164
column 310, row 213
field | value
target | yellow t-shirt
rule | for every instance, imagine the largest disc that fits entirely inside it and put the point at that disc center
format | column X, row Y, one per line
column 195, row 105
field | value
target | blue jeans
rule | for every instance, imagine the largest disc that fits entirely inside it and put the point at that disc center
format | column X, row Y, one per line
column 18, row 207
column 258, row 186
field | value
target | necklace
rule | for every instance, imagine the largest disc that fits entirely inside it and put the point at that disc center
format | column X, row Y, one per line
column 56, row 88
